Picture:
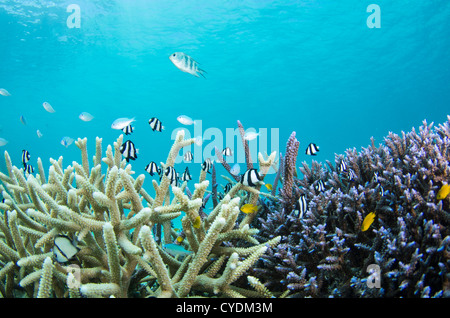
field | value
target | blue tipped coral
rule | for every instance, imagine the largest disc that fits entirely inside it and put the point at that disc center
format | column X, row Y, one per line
column 326, row 253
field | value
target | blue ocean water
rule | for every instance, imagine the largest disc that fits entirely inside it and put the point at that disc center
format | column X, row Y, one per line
column 314, row 67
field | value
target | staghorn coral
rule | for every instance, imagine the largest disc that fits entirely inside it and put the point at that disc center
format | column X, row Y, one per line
column 111, row 216
column 325, row 254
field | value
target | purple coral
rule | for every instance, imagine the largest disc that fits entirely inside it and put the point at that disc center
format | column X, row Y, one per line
column 326, row 254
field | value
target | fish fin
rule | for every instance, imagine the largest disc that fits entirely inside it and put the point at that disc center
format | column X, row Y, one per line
column 200, row 71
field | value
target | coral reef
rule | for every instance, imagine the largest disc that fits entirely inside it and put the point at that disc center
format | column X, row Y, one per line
column 326, row 254
column 112, row 220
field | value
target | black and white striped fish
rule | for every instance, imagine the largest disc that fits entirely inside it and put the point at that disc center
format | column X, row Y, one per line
column 128, row 150
column 351, row 175
column 152, row 169
column 128, row 129
column 171, row 174
column 207, row 165
column 227, row 152
column 188, row 156
column 227, row 187
column 186, row 64
column 320, row 186
column 312, row 149
column 155, row 124
column 186, row 175
column 300, row 206
column 28, row 168
column 342, row 166
column 64, row 249
column 25, row 157
column 251, row 178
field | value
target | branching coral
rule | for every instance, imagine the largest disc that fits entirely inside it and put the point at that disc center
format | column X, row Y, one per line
column 327, row 254
column 110, row 217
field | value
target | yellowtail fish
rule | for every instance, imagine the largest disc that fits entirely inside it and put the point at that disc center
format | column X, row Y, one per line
column 85, row 116
column 269, row 186
column 48, row 107
column 250, row 135
column 249, row 208
column 176, row 250
column 197, row 222
column 367, row 222
column 186, row 120
column 4, row 92
column 121, row 123
column 186, row 64
column 443, row 192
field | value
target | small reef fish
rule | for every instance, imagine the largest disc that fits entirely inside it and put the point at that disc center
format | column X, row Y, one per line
column 28, row 168
column 342, row 166
column 176, row 250
column 84, row 116
column 171, row 174
column 23, row 120
column 186, row 64
column 39, row 134
column 64, row 249
column 121, row 123
column 269, row 186
column 152, row 169
column 320, row 186
column 3, row 142
column 197, row 222
column 300, row 206
column 251, row 178
column 207, row 165
column 128, row 150
column 249, row 208
column 48, row 107
column 66, row 141
column 443, row 192
column 25, row 157
column 312, row 149
column 351, row 175
column 250, row 135
column 180, row 239
column 155, row 124
column 227, row 152
column 128, row 130
column 186, row 175
column 235, row 170
column 188, row 156
column 367, row 222
column 4, row 92
column 227, row 187
column 185, row 120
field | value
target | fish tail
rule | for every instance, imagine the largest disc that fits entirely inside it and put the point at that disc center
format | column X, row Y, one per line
column 200, row 71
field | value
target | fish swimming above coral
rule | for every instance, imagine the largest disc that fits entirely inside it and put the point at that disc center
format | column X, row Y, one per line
column 186, row 64
column 129, row 151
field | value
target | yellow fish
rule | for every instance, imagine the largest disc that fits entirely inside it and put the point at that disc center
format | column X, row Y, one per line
column 249, row 208
column 268, row 186
column 197, row 222
column 180, row 239
column 368, row 220
column 443, row 192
